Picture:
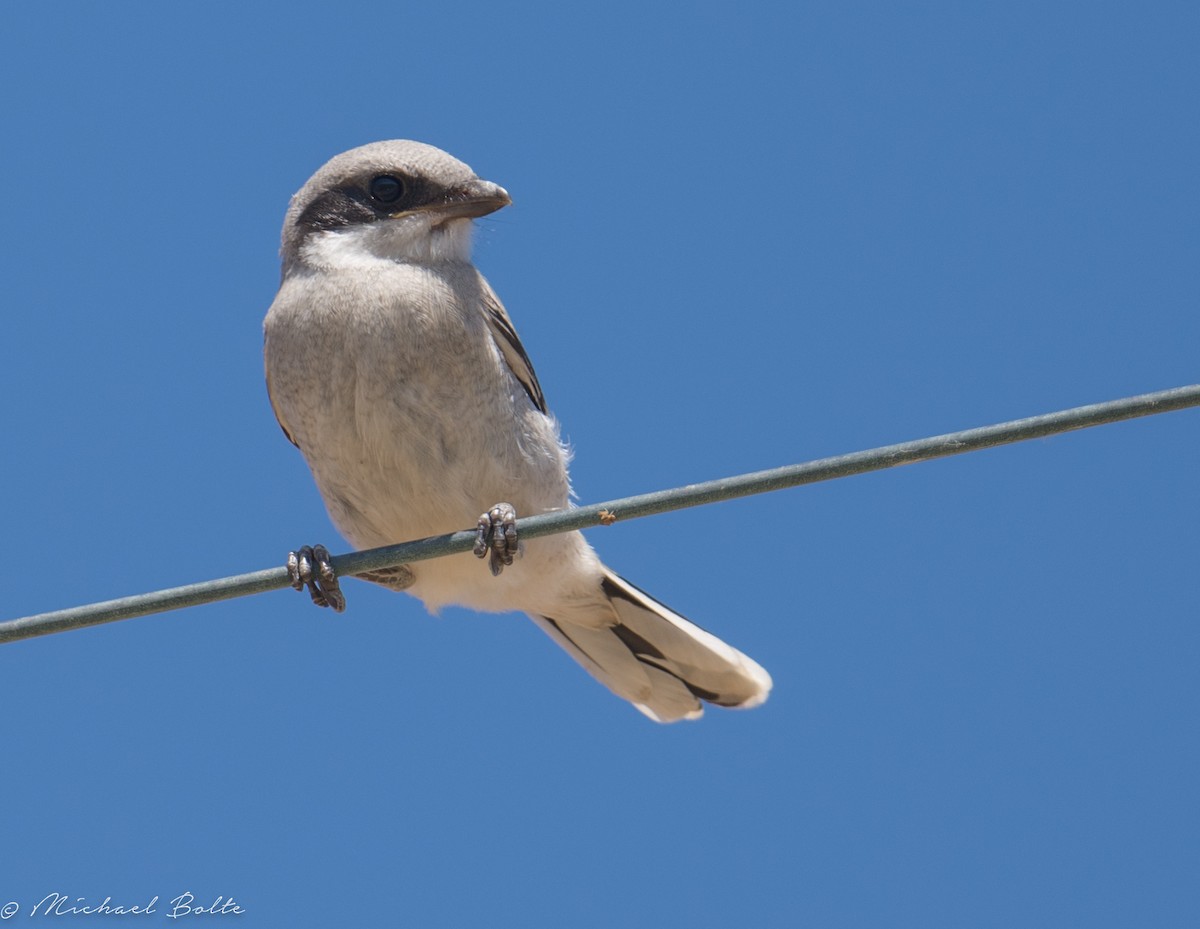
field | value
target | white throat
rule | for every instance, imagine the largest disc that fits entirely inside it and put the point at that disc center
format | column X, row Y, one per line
column 413, row 238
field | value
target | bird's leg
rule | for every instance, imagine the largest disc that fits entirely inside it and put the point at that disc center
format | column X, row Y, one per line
column 496, row 533
column 400, row 577
column 310, row 567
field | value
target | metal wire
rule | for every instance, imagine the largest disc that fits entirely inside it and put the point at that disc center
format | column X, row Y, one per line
column 824, row 469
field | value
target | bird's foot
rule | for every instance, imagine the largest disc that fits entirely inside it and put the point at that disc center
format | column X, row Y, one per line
column 496, row 536
column 310, row 567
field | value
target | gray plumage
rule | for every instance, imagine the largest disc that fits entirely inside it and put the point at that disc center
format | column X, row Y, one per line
column 395, row 369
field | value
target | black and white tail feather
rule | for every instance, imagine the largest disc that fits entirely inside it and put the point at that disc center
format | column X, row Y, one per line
column 660, row 662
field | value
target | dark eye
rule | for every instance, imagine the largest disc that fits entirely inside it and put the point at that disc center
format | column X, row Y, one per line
column 387, row 189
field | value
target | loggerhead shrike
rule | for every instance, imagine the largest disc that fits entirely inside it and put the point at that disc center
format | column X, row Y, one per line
column 396, row 371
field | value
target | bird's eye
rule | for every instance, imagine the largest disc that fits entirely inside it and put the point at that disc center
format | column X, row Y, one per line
column 387, row 189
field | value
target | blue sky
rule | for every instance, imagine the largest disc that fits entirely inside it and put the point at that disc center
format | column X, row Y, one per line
column 743, row 235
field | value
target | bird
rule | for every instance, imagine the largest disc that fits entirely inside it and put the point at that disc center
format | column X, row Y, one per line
column 395, row 369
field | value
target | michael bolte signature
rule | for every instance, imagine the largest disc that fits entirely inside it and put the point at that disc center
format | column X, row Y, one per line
column 186, row 904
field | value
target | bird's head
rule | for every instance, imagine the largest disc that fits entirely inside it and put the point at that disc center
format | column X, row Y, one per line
column 387, row 201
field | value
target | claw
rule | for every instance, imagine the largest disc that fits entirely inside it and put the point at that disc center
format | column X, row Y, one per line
column 496, row 535
column 322, row 583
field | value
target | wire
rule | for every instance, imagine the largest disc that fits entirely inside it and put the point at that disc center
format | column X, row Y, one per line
column 824, row 469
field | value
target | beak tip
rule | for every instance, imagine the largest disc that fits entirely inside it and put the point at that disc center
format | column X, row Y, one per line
column 502, row 195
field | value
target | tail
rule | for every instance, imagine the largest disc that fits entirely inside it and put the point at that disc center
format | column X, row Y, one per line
column 657, row 660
